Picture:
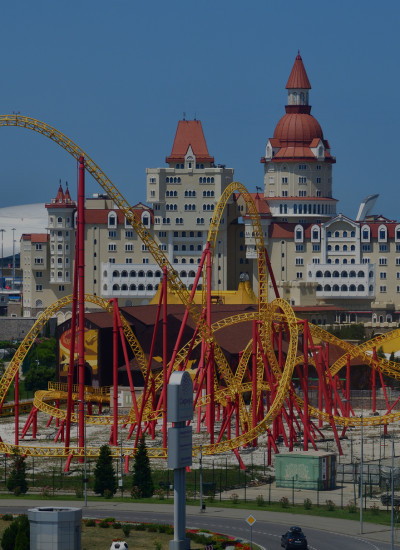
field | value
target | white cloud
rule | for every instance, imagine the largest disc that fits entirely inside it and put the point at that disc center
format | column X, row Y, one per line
column 25, row 218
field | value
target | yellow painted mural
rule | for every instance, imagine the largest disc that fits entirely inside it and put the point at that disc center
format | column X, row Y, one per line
column 91, row 341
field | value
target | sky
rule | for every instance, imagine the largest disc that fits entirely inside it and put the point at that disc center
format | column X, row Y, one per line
column 116, row 77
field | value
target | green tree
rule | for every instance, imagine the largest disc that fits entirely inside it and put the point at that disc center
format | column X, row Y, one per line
column 37, row 377
column 16, row 481
column 104, row 473
column 142, row 482
column 16, row 536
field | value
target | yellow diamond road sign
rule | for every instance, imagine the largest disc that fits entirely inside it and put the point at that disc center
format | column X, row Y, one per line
column 251, row 520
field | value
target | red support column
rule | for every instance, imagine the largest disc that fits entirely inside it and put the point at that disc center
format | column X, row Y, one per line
column 210, row 359
column 165, row 356
column 72, row 355
column 306, row 421
column 16, row 407
column 115, row 373
column 81, row 305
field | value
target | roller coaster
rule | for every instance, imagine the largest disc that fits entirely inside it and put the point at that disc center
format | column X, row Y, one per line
column 266, row 394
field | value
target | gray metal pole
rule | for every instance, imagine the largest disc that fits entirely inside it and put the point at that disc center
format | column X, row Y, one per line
column 201, row 478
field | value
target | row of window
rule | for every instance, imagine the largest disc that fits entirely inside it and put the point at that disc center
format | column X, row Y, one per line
column 178, row 221
column 182, row 166
column 343, row 234
column 344, row 248
column 344, row 288
column 307, row 209
column 190, row 247
column 343, row 274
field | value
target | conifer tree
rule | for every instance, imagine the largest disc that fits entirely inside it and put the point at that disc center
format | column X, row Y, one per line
column 104, row 473
column 16, row 481
column 142, row 482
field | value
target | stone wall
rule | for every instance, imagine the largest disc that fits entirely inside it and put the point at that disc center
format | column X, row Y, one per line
column 16, row 328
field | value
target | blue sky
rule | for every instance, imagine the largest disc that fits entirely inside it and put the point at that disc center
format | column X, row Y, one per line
column 117, row 76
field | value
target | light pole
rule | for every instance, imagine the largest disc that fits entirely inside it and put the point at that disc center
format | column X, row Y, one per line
column 361, row 473
column 13, row 264
column 201, row 478
column 2, row 254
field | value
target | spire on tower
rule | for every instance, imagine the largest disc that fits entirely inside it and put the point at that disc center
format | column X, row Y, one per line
column 298, row 78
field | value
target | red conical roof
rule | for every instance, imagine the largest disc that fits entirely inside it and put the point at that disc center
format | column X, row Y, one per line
column 298, row 78
column 60, row 195
column 189, row 133
column 67, row 196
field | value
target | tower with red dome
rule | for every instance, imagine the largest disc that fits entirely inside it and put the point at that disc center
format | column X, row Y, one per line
column 298, row 162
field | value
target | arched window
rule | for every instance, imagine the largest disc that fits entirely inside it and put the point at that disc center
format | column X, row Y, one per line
column 124, row 273
column 352, row 274
column 337, row 247
column 344, row 233
column 335, row 288
column 336, row 234
column 336, row 273
column 343, row 288
column 345, row 248
column 327, row 288
column 318, row 274
column 319, row 288
column 327, row 274
column 115, row 273
column 124, row 287
column 146, row 219
column 361, row 288
column 361, row 274
column 38, row 303
column 371, row 274
column 112, row 219
column 353, row 234
column 149, row 287
column 352, row 288
column 149, row 274
column 115, row 287
column 382, row 233
column 132, row 287
column 183, row 274
column 157, row 274
column 192, row 274
column 343, row 274
column 141, row 273
column 132, row 274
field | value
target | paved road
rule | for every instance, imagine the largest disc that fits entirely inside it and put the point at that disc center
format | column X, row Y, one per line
column 322, row 533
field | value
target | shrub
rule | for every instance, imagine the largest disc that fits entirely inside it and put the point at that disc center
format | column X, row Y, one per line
column 126, row 529
column 107, row 493
column 140, row 527
column 160, row 493
column 104, row 524
column 157, row 545
column 284, row 502
column 234, row 498
column 351, row 507
column 307, row 504
column 330, row 505
column 78, row 492
column 90, row 523
column 260, row 500
column 117, row 525
column 46, row 491
column 7, row 517
column 16, row 536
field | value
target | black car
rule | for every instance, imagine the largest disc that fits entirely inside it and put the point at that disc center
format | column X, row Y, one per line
column 294, row 538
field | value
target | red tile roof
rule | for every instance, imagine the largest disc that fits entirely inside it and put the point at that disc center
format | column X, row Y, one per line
column 35, row 237
column 189, row 133
column 100, row 215
column 298, row 77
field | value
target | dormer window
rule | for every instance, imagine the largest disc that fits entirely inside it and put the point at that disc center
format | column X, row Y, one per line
column 298, row 234
column 315, row 233
column 365, row 234
column 146, row 219
column 112, row 219
column 382, row 233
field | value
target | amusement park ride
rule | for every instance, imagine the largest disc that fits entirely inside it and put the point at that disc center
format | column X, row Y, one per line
column 232, row 407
